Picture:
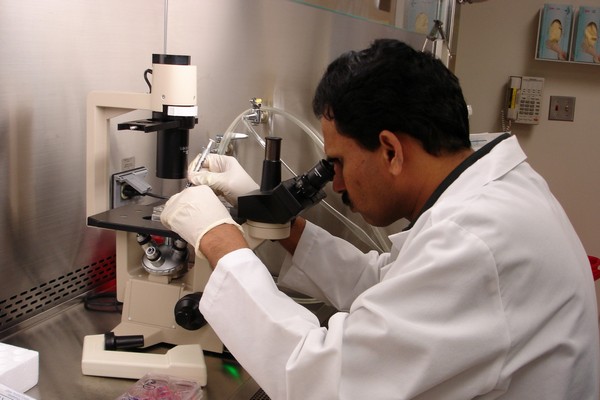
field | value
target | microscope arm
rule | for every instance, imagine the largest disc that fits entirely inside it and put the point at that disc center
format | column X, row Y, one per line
column 101, row 107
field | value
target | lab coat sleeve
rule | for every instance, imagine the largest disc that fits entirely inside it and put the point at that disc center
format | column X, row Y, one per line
column 399, row 339
column 330, row 269
column 261, row 326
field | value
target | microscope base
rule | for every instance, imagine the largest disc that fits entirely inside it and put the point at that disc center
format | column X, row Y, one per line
column 183, row 361
column 148, row 310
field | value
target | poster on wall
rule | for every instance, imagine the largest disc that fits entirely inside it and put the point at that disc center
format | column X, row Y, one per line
column 586, row 47
column 419, row 15
column 556, row 21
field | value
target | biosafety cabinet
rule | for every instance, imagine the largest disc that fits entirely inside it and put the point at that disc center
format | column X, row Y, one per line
column 62, row 56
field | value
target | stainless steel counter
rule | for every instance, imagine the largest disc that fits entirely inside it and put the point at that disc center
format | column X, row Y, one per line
column 59, row 341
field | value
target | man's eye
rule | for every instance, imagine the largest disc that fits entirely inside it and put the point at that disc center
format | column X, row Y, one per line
column 335, row 161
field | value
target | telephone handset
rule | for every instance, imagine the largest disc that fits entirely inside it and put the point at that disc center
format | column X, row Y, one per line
column 524, row 99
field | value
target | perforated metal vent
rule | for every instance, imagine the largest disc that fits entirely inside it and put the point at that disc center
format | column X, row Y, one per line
column 260, row 395
column 24, row 305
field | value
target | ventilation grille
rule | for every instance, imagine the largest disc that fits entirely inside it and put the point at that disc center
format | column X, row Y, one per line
column 260, row 395
column 27, row 304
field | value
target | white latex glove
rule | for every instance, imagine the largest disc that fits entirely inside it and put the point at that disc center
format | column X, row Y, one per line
column 224, row 175
column 193, row 212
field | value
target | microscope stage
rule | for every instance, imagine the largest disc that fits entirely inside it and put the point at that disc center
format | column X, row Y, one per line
column 135, row 218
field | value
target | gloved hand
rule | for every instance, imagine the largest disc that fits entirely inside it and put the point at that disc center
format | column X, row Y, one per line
column 193, row 212
column 224, row 175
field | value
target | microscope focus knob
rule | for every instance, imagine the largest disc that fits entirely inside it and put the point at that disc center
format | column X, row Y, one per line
column 187, row 314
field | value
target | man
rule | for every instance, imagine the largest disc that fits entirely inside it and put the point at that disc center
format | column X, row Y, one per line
column 487, row 294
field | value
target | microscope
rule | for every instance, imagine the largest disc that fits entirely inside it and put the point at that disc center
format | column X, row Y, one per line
column 157, row 282
column 154, row 280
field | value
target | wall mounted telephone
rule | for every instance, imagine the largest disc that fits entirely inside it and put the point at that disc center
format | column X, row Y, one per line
column 524, row 99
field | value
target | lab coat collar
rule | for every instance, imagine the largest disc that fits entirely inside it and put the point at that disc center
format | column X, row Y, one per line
column 503, row 156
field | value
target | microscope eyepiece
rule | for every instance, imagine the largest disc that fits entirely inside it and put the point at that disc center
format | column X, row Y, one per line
column 288, row 198
column 315, row 179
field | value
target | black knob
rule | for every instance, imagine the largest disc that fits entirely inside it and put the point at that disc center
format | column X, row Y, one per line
column 112, row 342
column 187, row 314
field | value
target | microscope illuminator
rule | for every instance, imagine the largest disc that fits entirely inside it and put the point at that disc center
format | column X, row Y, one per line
column 174, row 112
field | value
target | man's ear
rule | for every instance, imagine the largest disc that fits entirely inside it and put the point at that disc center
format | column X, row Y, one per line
column 391, row 151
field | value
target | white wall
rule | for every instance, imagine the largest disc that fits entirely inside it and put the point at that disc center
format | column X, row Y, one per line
column 496, row 39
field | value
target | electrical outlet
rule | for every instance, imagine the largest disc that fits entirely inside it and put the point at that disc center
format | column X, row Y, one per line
column 134, row 178
column 562, row 108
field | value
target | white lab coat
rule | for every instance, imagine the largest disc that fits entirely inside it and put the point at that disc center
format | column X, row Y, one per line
column 489, row 296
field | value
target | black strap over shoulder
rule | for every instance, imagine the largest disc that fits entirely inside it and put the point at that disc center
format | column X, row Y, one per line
column 456, row 172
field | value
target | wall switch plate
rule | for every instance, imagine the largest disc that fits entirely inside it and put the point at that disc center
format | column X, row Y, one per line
column 562, row 108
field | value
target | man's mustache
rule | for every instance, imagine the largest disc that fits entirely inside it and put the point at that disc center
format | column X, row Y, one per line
column 346, row 199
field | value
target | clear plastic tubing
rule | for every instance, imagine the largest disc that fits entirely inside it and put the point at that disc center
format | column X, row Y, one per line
column 381, row 243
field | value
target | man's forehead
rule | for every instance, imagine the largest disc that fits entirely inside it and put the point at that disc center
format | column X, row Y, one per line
column 337, row 145
column 330, row 134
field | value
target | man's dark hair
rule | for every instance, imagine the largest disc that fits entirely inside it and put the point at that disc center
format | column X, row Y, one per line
column 390, row 86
